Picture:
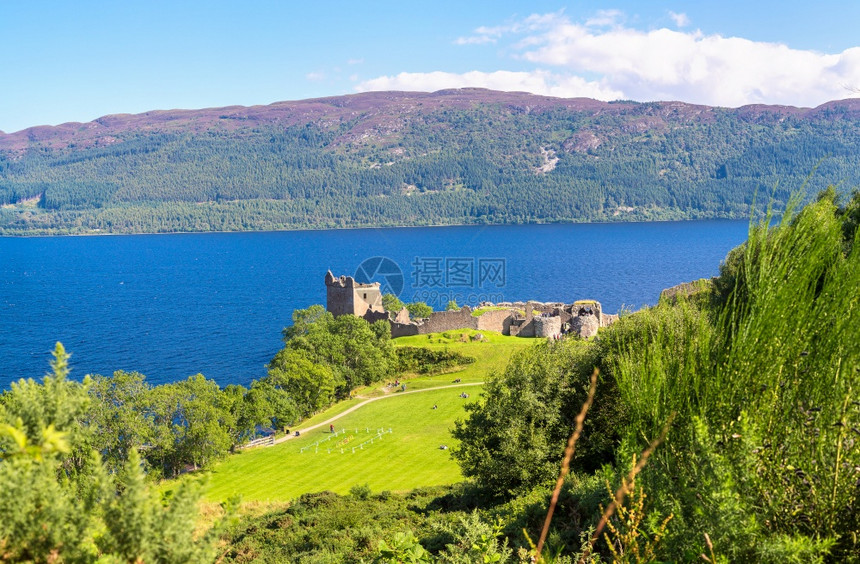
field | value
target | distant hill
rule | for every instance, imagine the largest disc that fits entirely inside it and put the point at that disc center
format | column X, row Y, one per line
column 409, row 158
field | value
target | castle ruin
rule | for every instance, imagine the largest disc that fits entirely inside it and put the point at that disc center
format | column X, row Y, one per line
column 524, row 319
column 346, row 296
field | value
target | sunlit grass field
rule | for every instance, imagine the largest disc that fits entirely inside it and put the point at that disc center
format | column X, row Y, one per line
column 407, row 457
column 491, row 354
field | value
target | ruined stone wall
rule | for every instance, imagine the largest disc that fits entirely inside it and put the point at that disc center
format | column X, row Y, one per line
column 547, row 326
column 495, row 320
column 440, row 321
column 339, row 301
column 402, row 316
column 345, row 296
column 367, row 297
column 585, row 326
column 374, row 316
column 608, row 319
column 592, row 305
column 403, row 329
column 525, row 327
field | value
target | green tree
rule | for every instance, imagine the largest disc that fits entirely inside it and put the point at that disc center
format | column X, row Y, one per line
column 282, row 410
column 391, row 303
column 192, row 423
column 204, row 420
column 515, row 438
column 310, row 385
column 355, row 351
column 117, row 417
column 419, row 310
column 452, row 306
column 307, row 321
column 250, row 407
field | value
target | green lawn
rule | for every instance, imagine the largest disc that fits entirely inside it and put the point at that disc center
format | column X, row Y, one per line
column 407, row 457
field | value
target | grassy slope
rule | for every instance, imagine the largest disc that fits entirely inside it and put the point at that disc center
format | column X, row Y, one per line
column 406, row 458
column 491, row 354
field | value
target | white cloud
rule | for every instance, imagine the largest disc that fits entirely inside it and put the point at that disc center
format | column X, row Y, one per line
column 316, row 76
column 537, row 82
column 681, row 20
column 491, row 34
column 354, row 61
column 605, row 18
column 606, row 59
column 475, row 40
column 711, row 69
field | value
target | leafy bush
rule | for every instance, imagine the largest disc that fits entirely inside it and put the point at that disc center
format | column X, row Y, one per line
column 427, row 361
column 361, row 492
column 514, row 439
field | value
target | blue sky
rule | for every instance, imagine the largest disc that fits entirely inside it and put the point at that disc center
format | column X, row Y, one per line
column 76, row 61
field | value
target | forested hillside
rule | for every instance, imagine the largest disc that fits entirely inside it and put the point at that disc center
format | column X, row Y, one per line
column 394, row 158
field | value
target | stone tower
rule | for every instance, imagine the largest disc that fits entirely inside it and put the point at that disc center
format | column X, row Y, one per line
column 586, row 318
column 346, row 296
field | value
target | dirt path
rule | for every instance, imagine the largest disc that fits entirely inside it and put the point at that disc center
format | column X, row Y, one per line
column 365, row 402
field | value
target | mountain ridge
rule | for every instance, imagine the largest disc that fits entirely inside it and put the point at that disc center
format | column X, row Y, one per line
column 415, row 158
column 289, row 112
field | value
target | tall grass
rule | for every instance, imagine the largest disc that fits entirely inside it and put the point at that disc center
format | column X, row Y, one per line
column 765, row 453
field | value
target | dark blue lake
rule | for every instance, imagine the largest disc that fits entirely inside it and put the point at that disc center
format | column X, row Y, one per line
column 170, row 306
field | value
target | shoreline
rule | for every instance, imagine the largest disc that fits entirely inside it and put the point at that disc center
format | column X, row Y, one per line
column 371, row 227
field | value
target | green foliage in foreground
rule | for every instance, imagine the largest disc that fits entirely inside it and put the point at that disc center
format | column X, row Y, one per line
column 60, row 503
column 762, row 378
column 766, row 387
column 329, row 528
